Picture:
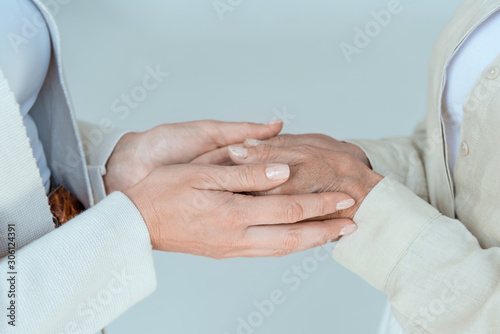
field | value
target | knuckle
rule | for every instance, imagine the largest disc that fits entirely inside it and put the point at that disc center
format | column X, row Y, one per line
column 291, row 241
column 346, row 164
column 264, row 152
column 283, row 140
column 325, row 238
column 223, row 175
column 306, row 150
column 324, row 207
column 302, row 152
column 204, row 181
column 281, row 252
column 293, row 212
column 321, row 136
column 248, row 176
column 208, row 122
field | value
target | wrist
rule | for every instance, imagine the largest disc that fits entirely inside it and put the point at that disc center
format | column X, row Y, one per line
column 354, row 179
column 125, row 166
column 359, row 153
column 365, row 185
column 359, row 181
column 147, row 212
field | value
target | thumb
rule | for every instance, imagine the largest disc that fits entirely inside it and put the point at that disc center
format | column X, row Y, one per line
column 217, row 157
column 230, row 133
column 264, row 154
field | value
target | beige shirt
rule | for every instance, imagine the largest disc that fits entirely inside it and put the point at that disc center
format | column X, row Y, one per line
column 428, row 239
column 476, row 53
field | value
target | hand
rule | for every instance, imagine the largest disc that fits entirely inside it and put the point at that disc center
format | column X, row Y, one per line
column 221, row 156
column 193, row 209
column 313, row 170
column 137, row 154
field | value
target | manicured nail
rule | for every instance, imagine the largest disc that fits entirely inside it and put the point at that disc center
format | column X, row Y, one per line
column 345, row 204
column 348, row 229
column 274, row 121
column 239, row 152
column 253, row 142
column 278, row 172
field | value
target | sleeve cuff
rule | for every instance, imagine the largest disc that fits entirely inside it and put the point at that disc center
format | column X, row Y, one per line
column 99, row 143
column 389, row 220
column 379, row 157
column 120, row 228
column 398, row 159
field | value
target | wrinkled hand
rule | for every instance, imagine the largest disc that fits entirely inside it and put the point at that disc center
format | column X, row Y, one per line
column 221, row 156
column 313, row 170
column 137, row 154
column 200, row 210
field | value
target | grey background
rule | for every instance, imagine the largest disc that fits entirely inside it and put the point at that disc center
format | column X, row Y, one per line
column 263, row 58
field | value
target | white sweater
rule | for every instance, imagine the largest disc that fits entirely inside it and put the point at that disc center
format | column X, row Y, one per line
column 79, row 277
column 24, row 58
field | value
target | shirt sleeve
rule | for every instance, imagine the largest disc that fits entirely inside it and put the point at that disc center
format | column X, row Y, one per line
column 434, row 271
column 399, row 158
column 99, row 141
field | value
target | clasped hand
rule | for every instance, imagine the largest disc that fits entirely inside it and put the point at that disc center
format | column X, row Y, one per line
column 202, row 192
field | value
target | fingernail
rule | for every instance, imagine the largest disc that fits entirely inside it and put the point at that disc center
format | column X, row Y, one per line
column 239, row 152
column 253, row 142
column 278, row 172
column 345, row 204
column 348, row 229
column 274, row 121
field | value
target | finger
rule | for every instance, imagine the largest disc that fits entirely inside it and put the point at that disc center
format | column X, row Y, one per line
column 313, row 139
column 230, row 133
column 222, row 157
column 245, row 178
column 217, row 157
column 281, row 140
column 263, row 153
column 287, row 209
column 264, row 241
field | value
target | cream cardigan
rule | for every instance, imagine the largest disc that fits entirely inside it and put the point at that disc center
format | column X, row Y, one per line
column 83, row 275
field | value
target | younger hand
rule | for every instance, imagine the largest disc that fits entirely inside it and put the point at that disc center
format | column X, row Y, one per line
column 202, row 210
column 137, row 154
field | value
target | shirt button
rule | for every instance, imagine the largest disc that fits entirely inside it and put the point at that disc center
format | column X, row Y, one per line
column 465, row 148
column 494, row 72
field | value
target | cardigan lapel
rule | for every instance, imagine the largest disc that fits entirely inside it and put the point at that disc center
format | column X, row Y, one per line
column 57, row 127
column 23, row 201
